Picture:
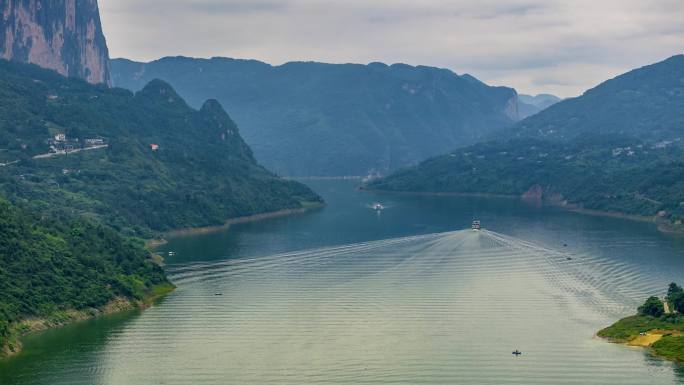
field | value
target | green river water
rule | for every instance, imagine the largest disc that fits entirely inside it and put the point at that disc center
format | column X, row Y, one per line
column 347, row 295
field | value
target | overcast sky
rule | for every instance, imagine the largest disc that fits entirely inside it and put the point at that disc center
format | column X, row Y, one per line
column 557, row 46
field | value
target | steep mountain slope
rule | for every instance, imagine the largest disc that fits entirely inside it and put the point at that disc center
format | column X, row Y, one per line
column 314, row 119
column 62, row 35
column 616, row 148
column 151, row 164
column 644, row 103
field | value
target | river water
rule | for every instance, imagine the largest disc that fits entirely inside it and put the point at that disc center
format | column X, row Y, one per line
column 347, row 295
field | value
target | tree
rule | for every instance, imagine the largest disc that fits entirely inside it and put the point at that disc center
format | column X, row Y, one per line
column 653, row 307
column 675, row 296
column 674, row 289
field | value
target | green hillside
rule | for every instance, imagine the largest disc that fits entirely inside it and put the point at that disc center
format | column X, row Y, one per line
column 316, row 119
column 644, row 103
column 199, row 173
column 51, row 265
column 617, row 148
column 86, row 171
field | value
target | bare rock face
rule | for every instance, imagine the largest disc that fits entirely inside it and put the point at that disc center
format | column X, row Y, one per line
column 62, row 35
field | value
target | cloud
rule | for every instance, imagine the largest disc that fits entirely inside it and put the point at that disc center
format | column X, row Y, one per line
column 557, row 46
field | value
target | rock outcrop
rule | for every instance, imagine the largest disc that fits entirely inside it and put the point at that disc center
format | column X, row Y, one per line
column 62, row 35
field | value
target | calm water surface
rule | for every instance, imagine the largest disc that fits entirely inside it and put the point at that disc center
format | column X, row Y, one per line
column 347, row 295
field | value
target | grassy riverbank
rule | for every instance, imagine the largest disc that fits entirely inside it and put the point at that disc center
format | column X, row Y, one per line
column 61, row 318
column 659, row 326
column 664, row 336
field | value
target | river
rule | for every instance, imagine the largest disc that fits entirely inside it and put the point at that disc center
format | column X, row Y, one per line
column 348, row 295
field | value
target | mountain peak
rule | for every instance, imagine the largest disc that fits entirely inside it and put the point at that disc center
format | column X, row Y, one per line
column 159, row 89
column 213, row 111
column 62, row 35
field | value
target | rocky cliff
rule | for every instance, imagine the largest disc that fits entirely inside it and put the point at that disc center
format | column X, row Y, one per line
column 62, row 35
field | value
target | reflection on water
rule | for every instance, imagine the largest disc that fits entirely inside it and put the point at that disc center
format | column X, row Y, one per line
column 396, row 298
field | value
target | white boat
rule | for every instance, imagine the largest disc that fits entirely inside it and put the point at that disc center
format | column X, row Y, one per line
column 378, row 207
column 477, row 226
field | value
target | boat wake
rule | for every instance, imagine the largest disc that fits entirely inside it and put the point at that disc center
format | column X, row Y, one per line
column 436, row 308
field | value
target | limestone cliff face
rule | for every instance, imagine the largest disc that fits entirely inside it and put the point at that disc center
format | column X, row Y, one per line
column 62, row 35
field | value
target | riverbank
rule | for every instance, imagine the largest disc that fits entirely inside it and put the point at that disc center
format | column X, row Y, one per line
column 120, row 304
column 66, row 317
column 662, row 224
column 161, row 240
column 663, row 336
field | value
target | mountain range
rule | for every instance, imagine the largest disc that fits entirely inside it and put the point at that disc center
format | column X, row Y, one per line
column 616, row 148
column 316, row 119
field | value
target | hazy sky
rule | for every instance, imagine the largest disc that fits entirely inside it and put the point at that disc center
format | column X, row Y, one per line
column 556, row 46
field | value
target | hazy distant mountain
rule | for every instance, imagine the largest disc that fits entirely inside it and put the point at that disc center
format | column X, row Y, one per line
column 542, row 101
column 315, row 119
column 61, row 35
column 529, row 105
column 619, row 147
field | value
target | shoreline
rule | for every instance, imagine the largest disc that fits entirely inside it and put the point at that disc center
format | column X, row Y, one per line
column 662, row 227
column 162, row 239
column 59, row 319
column 661, row 338
column 63, row 318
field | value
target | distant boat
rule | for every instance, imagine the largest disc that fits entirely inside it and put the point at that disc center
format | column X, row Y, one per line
column 517, row 352
column 172, row 253
column 217, row 294
column 477, row 226
column 378, row 207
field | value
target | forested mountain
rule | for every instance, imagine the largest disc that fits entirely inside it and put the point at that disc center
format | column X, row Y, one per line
column 62, row 35
column 616, row 148
column 144, row 162
column 315, row 119
column 86, row 167
column 645, row 103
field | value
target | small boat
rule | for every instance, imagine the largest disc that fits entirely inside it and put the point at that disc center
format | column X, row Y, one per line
column 517, row 352
column 172, row 253
column 217, row 294
column 378, row 207
column 477, row 226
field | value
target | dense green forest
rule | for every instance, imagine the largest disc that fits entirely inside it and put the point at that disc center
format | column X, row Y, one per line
column 620, row 152
column 52, row 264
column 317, row 119
column 166, row 166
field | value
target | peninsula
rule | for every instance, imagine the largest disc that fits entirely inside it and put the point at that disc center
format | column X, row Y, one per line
column 658, row 326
